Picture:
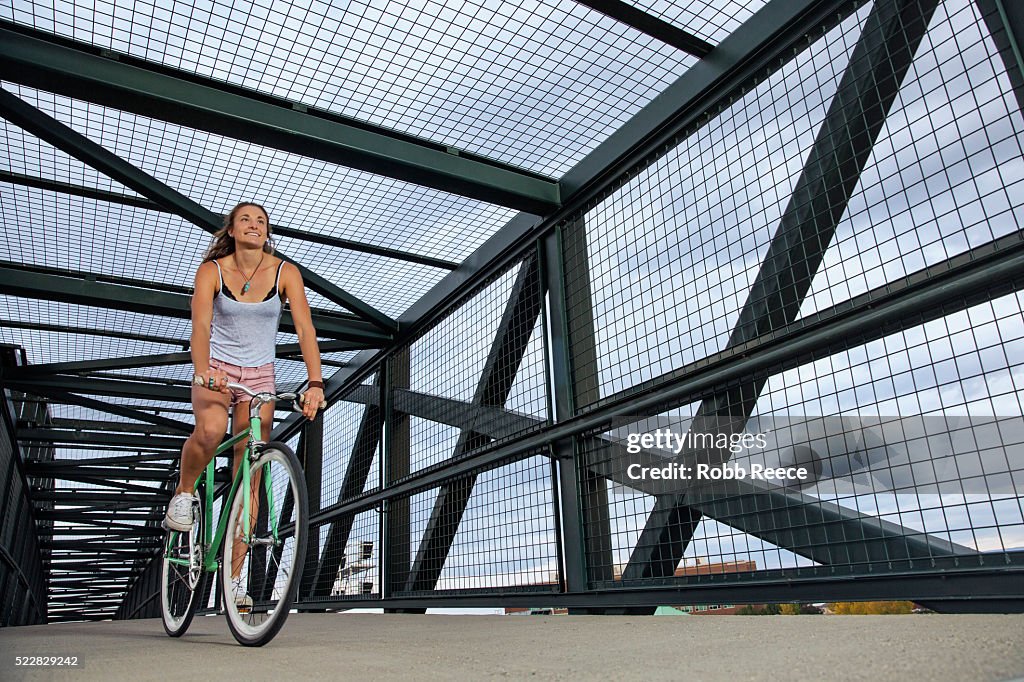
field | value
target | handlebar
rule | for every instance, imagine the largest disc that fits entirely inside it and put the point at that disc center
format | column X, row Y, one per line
column 260, row 398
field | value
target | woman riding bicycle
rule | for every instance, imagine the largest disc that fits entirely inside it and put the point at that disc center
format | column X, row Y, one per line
column 240, row 289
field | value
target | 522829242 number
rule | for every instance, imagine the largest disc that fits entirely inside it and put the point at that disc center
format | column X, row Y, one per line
column 46, row 660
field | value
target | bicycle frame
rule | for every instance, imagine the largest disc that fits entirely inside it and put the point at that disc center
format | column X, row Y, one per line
column 212, row 542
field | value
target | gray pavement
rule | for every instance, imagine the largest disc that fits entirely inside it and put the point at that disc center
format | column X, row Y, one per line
column 469, row 647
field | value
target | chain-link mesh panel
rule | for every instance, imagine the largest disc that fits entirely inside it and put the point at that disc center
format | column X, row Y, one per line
column 494, row 530
column 351, row 445
column 831, row 179
column 663, row 264
column 912, row 446
column 476, row 378
column 343, row 559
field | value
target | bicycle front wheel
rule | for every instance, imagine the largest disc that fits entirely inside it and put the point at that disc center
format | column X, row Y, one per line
column 263, row 555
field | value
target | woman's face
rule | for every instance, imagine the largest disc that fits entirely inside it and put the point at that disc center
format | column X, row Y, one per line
column 249, row 228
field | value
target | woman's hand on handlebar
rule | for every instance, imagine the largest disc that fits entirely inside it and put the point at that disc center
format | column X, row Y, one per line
column 213, row 380
column 312, row 400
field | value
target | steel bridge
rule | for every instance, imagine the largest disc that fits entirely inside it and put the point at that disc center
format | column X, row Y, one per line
column 526, row 230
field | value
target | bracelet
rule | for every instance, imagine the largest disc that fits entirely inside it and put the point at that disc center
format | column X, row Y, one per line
column 316, row 384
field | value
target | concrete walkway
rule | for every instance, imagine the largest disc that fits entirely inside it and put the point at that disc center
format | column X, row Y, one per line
column 372, row 647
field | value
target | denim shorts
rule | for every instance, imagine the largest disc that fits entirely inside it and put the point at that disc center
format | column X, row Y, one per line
column 257, row 378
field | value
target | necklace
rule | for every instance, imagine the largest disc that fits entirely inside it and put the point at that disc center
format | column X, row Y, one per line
column 248, row 280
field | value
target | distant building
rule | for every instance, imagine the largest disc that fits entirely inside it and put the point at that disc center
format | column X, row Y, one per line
column 517, row 611
column 699, row 568
column 355, row 566
column 696, row 568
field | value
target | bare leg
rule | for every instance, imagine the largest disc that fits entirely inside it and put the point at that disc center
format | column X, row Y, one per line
column 240, row 422
column 211, row 412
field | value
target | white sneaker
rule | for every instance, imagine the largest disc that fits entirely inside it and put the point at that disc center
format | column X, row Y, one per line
column 179, row 512
column 243, row 602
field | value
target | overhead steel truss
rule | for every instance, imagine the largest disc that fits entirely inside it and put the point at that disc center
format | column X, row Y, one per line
column 93, row 290
column 75, row 144
column 83, row 72
column 279, row 230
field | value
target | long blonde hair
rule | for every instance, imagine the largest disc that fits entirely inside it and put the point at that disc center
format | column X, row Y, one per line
column 224, row 244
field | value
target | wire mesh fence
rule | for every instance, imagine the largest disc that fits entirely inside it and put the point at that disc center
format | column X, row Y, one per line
column 775, row 273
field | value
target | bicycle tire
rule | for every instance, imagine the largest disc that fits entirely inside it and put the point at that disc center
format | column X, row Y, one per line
column 270, row 570
column 181, row 589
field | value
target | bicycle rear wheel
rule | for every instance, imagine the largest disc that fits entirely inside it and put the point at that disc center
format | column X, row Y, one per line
column 182, row 578
column 260, row 573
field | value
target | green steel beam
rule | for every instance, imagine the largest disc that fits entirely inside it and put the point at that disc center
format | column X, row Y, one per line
column 100, row 546
column 139, row 361
column 130, row 362
column 60, row 394
column 126, row 83
column 350, row 245
column 1005, row 21
column 986, row 585
column 120, row 477
column 651, row 25
column 107, row 387
column 82, row 148
column 129, row 461
column 279, row 230
column 110, row 279
column 89, row 497
column 79, row 191
column 113, row 569
column 147, row 442
column 90, row 331
column 118, row 481
column 52, row 285
column 109, row 512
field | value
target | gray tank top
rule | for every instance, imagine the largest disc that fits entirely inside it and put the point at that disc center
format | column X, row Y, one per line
column 245, row 334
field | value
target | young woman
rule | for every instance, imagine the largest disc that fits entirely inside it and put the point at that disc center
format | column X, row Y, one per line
column 240, row 289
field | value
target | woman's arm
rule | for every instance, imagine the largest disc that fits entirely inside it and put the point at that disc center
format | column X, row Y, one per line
column 295, row 292
column 202, row 319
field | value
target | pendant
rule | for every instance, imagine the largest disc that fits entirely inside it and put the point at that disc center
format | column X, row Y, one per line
column 245, row 288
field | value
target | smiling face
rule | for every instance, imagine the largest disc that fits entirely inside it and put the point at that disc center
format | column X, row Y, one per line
column 250, row 227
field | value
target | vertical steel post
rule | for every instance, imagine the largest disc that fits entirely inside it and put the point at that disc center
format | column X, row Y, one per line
column 570, row 524
column 311, row 445
column 395, row 560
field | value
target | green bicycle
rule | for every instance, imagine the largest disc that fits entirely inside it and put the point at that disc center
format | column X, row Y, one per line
column 261, row 564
